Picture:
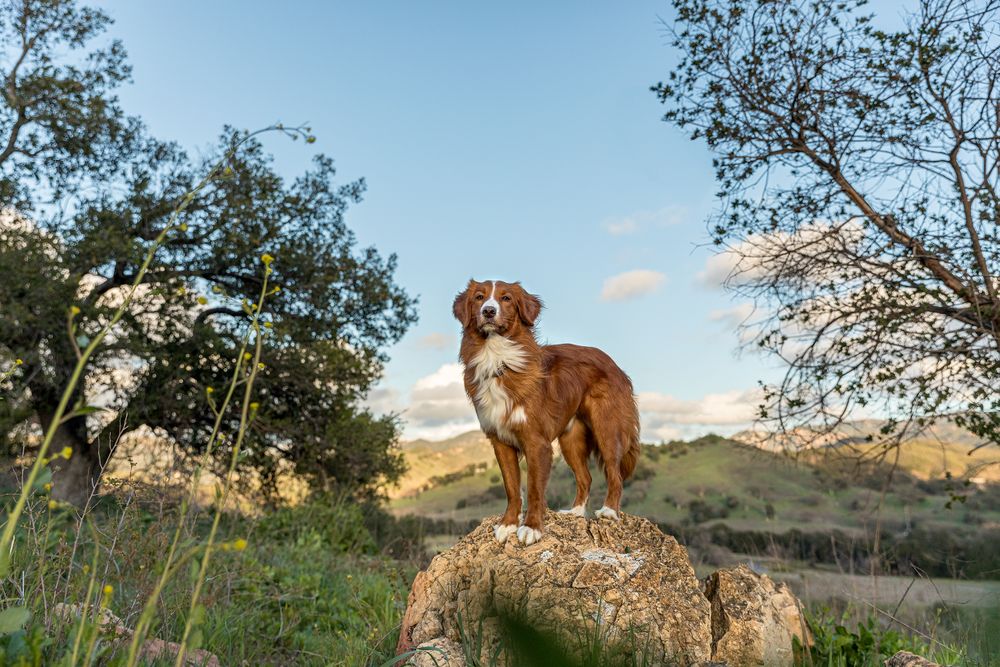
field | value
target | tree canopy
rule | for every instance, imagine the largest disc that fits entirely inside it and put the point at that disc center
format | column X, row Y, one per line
column 85, row 190
column 858, row 167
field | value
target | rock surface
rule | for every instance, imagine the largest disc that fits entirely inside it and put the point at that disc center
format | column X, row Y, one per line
column 753, row 619
column 626, row 577
column 151, row 649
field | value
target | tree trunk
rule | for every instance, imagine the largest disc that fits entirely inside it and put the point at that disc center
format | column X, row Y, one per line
column 75, row 480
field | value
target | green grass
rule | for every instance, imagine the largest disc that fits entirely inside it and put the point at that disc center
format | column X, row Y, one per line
column 313, row 587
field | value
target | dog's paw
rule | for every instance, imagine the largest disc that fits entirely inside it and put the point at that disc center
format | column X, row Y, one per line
column 606, row 513
column 527, row 535
column 503, row 531
column 579, row 510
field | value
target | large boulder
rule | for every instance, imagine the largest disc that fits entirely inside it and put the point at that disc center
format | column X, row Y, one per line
column 626, row 578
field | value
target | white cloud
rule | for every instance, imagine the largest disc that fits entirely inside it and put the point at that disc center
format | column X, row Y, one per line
column 434, row 408
column 668, row 215
column 740, row 319
column 631, row 284
column 666, row 417
column 735, row 316
column 436, row 341
column 761, row 255
column 718, row 268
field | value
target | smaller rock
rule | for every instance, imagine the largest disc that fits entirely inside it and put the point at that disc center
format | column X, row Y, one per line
column 907, row 659
column 753, row 619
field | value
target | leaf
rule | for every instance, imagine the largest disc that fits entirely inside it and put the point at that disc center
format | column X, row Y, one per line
column 44, row 477
column 13, row 619
column 85, row 410
column 198, row 615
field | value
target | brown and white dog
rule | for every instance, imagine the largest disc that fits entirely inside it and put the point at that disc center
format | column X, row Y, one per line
column 526, row 395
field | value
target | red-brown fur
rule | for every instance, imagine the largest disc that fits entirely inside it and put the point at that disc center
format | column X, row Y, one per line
column 573, row 393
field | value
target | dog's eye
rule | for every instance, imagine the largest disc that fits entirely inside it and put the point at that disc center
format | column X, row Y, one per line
column 506, row 298
column 479, row 297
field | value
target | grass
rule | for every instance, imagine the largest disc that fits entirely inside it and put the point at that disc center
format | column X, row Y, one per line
column 312, row 586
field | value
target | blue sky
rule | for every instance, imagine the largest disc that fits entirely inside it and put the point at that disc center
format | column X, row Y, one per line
column 516, row 141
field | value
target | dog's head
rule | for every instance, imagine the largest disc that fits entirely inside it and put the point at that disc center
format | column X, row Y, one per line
column 494, row 306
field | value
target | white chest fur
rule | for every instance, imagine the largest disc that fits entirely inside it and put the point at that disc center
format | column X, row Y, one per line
column 494, row 407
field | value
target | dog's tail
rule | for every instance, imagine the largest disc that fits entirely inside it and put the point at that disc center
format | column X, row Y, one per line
column 630, row 457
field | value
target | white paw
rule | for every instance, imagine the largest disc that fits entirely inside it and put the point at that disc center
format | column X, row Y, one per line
column 606, row 513
column 503, row 531
column 579, row 510
column 527, row 535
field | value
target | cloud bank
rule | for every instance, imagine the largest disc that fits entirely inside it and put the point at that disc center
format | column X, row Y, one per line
column 632, row 284
column 436, row 407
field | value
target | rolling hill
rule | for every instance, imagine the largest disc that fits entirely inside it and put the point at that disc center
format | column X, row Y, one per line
column 715, row 479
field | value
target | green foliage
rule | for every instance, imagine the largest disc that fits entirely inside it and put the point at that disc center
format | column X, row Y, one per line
column 114, row 187
column 311, row 586
column 329, row 522
column 868, row 645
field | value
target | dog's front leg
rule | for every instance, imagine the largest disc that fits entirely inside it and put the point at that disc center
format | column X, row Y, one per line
column 511, row 472
column 538, row 453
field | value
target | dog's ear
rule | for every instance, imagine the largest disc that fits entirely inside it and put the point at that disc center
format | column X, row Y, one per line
column 529, row 306
column 460, row 308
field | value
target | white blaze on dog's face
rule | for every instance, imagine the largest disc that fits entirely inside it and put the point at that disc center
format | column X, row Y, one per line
column 494, row 306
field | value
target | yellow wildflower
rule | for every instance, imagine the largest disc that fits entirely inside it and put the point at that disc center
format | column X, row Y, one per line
column 66, row 452
column 74, row 310
column 239, row 544
column 202, row 300
column 267, row 259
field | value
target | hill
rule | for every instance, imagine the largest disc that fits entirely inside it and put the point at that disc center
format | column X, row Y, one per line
column 719, row 494
column 714, row 478
column 936, row 452
column 428, row 459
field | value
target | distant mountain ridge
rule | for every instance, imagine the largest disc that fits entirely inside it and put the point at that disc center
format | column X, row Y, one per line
column 849, row 433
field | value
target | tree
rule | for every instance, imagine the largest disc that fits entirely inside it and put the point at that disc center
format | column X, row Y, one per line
column 106, row 195
column 858, row 170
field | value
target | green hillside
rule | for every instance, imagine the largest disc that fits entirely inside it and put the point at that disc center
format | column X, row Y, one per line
column 714, row 490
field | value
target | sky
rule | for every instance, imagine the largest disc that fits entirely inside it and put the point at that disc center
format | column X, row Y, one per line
column 511, row 141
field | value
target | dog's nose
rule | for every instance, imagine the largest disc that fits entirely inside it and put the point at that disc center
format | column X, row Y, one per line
column 489, row 312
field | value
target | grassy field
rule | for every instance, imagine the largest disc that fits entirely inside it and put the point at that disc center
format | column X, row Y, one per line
column 325, row 582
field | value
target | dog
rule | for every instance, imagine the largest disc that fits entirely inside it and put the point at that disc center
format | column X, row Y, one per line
column 526, row 395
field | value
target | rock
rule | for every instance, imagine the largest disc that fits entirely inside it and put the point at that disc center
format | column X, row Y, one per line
column 907, row 659
column 627, row 577
column 157, row 649
column 753, row 619
column 151, row 649
column 621, row 575
column 438, row 652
